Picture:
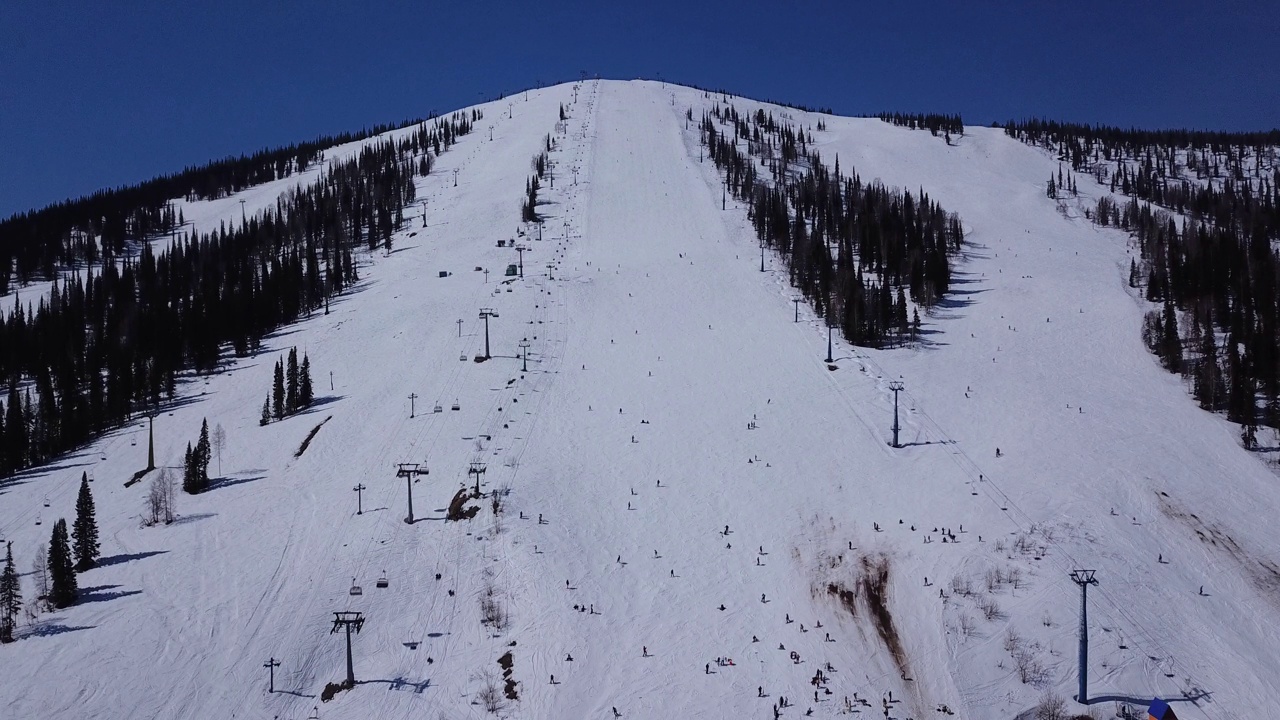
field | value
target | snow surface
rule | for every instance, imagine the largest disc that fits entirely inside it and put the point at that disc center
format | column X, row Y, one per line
column 656, row 346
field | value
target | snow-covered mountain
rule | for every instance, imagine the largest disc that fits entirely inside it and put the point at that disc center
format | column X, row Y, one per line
column 683, row 483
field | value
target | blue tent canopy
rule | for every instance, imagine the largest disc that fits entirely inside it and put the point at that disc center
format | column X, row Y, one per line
column 1160, row 710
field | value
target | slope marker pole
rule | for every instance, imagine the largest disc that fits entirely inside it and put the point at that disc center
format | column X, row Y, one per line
column 271, row 666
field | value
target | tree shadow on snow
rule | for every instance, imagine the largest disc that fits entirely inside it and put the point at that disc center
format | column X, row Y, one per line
column 127, row 557
column 47, row 629
column 219, row 483
column 103, row 593
column 184, row 519
column 316, row 404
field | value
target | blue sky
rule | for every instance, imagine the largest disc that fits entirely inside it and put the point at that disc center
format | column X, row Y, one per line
column 96, row 94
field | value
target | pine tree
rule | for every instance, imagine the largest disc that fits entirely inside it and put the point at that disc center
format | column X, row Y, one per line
column 189, row 482
column 62, row 574
column 266, row 411
column 277, row 391
column 291, row 383
column 10, row 597
column 203, row 455
column 85, row 530
column 305, row 391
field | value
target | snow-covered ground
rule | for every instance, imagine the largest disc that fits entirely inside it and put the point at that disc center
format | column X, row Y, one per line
column 670, row 395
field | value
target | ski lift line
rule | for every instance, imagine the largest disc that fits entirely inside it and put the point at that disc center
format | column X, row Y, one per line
column 1116, row 608
column 458, row 544
column 1009, row 508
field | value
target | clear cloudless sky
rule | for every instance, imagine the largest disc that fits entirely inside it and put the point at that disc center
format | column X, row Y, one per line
column 97, row 94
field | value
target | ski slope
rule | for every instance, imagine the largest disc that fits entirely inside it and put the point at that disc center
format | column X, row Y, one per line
column 671, row 394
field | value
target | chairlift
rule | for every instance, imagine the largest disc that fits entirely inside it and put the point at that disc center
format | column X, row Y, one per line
column 382, row 581
column 37, row 519
column 463, row 357
column 46, row 501
column 456, row 406
column 355, row 589
column 438, row 409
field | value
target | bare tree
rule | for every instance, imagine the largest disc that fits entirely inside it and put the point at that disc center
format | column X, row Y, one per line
column 219, row 442
column 160, row 499
column 40, row 574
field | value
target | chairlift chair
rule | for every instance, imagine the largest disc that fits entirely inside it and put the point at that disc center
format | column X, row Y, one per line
column 438, row 409
column 355, row 589
column 37, row 519
column 382, row 581
column 463, row 357
column 456, row 406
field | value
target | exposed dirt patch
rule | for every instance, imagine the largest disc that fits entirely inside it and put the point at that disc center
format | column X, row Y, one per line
column 871, row 587
column 1263, row 572
column 875, row 592
column 848, row 598
column 509, row 684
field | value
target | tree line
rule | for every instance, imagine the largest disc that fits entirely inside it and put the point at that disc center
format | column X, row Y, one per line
column 55, row 566
column 1204, row 210
column 933, row 122
column 110, row 342
column 91, row 229
column 853, row 249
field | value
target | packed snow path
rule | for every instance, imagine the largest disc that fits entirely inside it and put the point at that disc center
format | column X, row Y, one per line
column 671, row 397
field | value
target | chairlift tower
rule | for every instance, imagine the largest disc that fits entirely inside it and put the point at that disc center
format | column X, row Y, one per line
column 408, row 471
column 477, row 469
column 520, row 250
column 1084, row 578
column 348, row 620
column 896, row 387
column 151, row 441
column 412, row 398
column 359, row 490
column 797, row 304
column 485, row 314
column 524, row 355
